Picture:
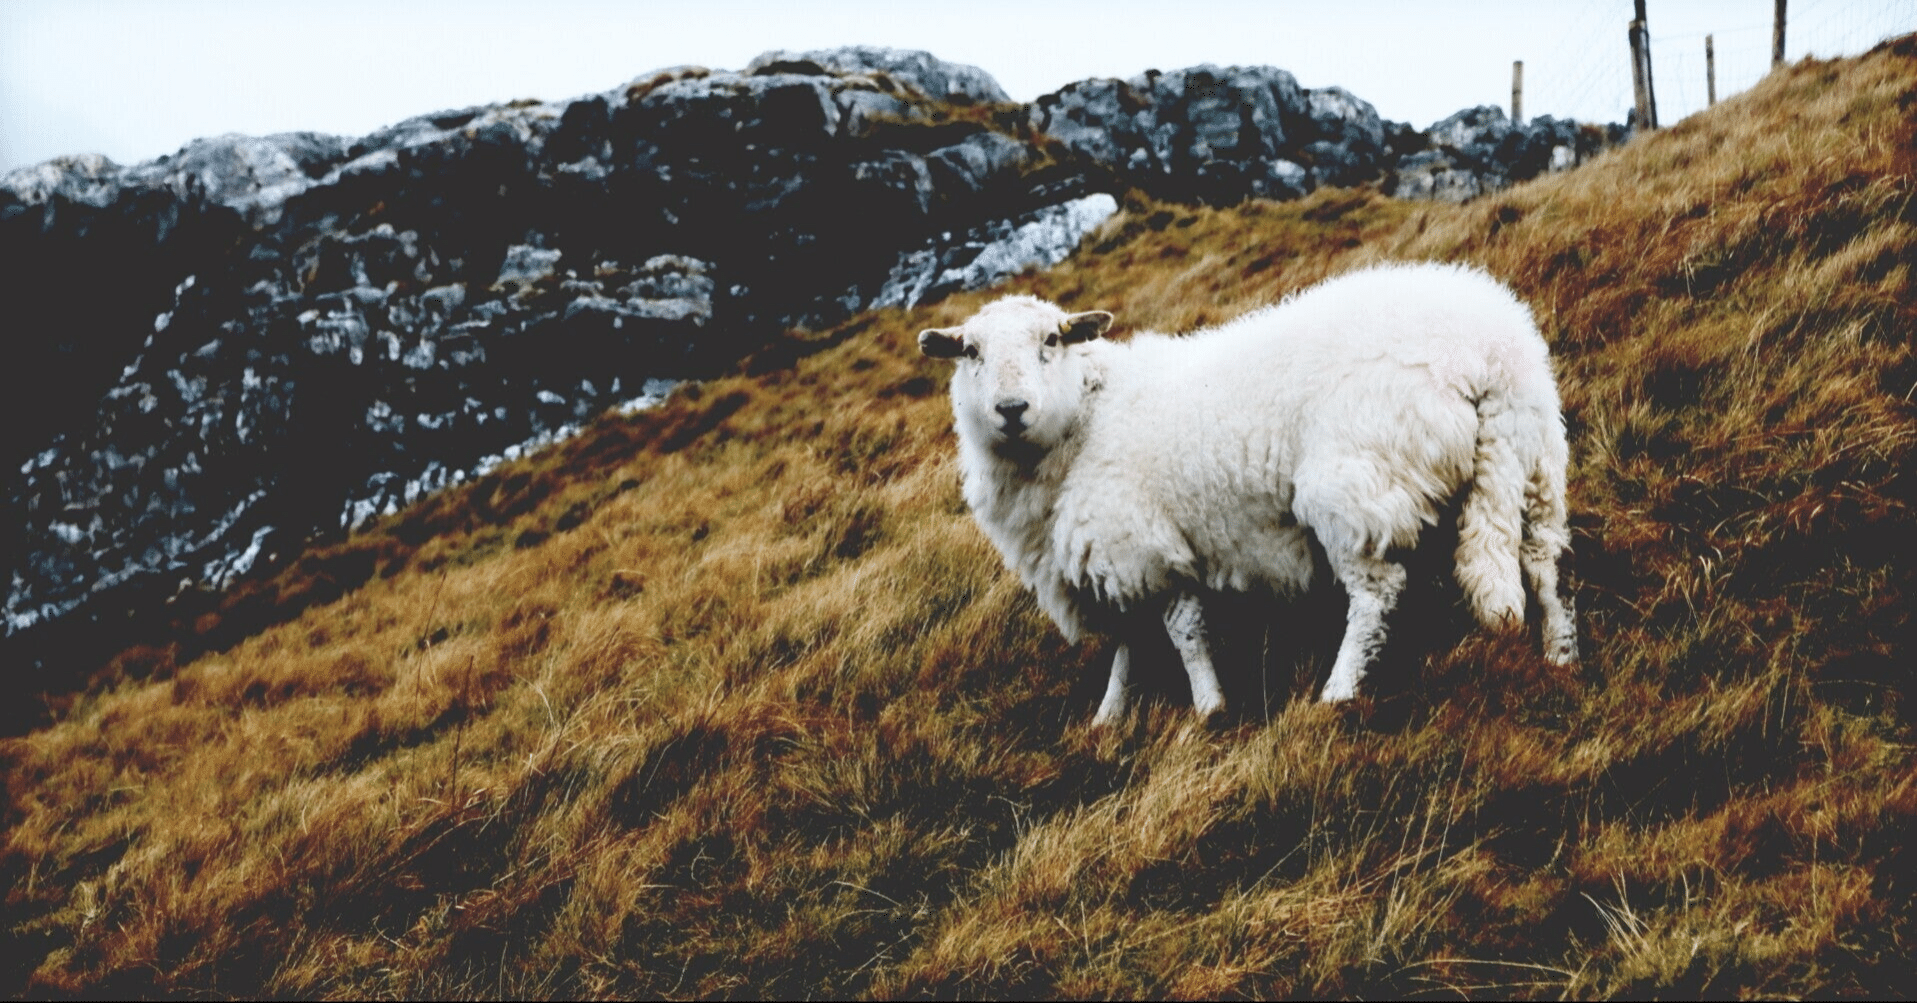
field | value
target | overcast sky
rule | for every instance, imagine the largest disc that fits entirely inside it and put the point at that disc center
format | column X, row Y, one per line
column 135, row 79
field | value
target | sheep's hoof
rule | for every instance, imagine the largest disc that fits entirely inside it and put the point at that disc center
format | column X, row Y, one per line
column 1337, row 692
column 1211, row 715
column 1111, row 711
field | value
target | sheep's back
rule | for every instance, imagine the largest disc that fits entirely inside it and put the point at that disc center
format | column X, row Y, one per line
column 1365, row 387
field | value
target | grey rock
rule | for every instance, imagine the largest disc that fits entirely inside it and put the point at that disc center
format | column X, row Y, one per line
column 1205, row 133
column 88, row 178
column 671, row 287
column 994, row 250
column 929, row 75
column 982, row 161
column 1432, row 176
column 862, row 112
column 526, row 266
column 774, row 109
column 254, row 175
column 1346, row 142
column 1043, row 240
column 1479, row 150
column 251, row 174
column 1483, row 126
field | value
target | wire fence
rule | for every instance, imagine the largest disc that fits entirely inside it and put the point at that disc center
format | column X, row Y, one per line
column 1587, row 74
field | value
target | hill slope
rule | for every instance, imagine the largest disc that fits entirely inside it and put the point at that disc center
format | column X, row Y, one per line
column 731, row 698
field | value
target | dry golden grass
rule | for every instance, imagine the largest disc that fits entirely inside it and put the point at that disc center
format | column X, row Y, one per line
column 732, row 699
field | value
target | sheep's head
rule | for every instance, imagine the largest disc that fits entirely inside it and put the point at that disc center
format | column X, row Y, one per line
column 1020, row 378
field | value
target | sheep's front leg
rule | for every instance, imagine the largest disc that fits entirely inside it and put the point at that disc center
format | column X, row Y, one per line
column 1373, row 586
column 1112, row 707
column 1185, row 622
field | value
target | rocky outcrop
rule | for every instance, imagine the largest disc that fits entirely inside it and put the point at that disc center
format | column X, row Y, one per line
column 219, row 354
column 1479, row 150
column 1205, row 133
column 1220, row 135
column 923, row 72
column 992, row 250
column 308, row 331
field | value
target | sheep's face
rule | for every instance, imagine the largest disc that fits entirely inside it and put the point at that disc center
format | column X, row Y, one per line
column 1019, row 378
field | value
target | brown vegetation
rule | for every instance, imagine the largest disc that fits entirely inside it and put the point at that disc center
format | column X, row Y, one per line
column 731, row 698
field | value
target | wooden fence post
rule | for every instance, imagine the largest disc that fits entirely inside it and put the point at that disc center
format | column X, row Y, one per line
column 1641, row 76
column 1777, row 37
column 1517, row 92
column 1650, row 79
column 1710, row 72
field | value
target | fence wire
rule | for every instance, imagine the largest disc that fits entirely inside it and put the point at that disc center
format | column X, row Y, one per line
column 1586, row 74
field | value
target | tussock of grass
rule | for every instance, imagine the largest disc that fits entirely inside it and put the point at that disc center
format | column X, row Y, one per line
column 731, row 698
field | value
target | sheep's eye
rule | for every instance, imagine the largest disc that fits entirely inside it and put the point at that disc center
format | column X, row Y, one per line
column 1051, row 340
column 971, row 351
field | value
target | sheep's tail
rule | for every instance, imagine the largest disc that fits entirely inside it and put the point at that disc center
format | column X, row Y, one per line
column 1491, row 525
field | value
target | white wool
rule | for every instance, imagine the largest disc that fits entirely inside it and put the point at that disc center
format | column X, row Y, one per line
column 1354, row 410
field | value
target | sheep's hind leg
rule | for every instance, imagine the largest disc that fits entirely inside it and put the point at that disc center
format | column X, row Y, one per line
column 1546, row 538
column 1373, row 586
column 1185, row 622
column 1112, row 707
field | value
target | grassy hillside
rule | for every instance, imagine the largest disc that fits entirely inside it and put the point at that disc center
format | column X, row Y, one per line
column 732, row 699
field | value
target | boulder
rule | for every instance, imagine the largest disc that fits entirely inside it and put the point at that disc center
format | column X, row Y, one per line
column 1479, row 150
column 1203, row 133
column 1345, row 141
column 929, row 75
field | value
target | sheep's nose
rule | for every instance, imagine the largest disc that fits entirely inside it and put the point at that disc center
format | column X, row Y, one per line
column 1013, row 410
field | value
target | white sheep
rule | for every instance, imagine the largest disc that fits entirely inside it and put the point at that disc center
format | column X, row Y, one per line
column 1120, row 479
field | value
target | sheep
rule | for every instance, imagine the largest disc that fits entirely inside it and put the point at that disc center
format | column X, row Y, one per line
column 1122, row 480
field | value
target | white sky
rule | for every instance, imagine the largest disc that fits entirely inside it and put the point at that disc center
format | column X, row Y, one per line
column 135, row 79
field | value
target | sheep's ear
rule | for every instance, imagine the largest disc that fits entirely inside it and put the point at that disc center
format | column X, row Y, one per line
column 941, row 344
column 1084, row 326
